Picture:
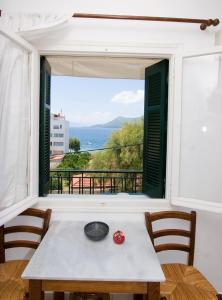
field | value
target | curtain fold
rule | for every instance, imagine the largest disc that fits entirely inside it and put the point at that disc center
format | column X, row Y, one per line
column 33, row 25
column 14, row 122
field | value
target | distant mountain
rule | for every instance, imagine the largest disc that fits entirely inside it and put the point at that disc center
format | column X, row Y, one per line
column 117, row 122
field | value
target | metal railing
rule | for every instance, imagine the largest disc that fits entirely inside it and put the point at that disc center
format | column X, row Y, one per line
column 95, row 181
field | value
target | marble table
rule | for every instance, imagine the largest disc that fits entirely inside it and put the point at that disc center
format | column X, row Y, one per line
column 67, row 260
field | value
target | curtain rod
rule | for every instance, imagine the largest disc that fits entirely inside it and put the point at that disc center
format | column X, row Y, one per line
column 204, row 23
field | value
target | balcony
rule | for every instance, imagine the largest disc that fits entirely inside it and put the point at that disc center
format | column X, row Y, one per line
column 95, row 181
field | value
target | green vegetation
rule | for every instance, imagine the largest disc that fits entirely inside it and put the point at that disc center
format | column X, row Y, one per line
column 125, row 153
column 122, row 157
column 75, row 161
column 74, row 144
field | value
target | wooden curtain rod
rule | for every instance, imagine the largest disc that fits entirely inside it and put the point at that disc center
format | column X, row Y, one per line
column 204, row 23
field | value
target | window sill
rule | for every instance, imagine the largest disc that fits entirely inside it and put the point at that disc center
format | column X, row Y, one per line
column 121, row 202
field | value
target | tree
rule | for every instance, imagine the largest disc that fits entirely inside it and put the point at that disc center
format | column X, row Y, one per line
column 74, row 144
column 126, row 149
column 75, row 161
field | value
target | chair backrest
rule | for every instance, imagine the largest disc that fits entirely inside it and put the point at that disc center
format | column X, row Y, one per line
column 190, row 234
column 44, row 215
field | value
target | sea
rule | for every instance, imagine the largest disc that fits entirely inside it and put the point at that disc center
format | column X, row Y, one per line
column 91, row 138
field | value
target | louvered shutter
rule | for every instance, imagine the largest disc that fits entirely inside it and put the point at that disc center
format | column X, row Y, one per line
column 44, row 129
column 155, row 129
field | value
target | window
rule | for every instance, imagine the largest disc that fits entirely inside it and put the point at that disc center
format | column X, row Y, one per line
column 198, row 163
column 56, row 126
column 155, row 129
column 58, row 144
column 61, row 135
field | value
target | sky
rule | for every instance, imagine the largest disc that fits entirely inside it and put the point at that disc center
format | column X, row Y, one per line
column 90, row 101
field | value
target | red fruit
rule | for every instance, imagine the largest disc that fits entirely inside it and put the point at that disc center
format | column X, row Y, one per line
column 118, row 237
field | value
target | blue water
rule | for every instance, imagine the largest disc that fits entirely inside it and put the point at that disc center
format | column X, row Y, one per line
column 90, row 137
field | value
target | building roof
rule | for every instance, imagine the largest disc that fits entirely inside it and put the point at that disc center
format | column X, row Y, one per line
column 58, row 157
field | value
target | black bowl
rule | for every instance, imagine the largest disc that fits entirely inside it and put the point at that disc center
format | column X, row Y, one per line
column 96, row 231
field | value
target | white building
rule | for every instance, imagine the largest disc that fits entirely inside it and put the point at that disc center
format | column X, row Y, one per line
column 59, row 134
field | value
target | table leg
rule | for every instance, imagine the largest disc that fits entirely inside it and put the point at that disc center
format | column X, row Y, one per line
column 153, row 291
column 35, row 290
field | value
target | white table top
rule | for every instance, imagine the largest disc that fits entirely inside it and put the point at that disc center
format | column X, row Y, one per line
column 67, row 254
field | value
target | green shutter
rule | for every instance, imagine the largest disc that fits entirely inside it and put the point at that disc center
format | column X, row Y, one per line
column 44, row 127
column 155, row 129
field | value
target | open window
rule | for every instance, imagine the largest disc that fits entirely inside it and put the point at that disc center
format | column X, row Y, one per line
column 194, row 127
column 155, row 113
column 197, row 160
column 17, row 59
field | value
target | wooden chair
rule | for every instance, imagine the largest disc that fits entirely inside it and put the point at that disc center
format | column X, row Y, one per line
column 182, row 281
column 11, row 290
column 10, row 271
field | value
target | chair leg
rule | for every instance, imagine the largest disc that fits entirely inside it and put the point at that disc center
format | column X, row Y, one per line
column 105, row 296
column 59, row 296
column 138, row 297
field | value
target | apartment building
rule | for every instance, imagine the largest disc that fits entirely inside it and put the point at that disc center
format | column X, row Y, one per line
column 59, row 134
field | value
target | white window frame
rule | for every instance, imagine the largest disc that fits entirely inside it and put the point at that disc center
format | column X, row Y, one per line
column 10, row 212
column 209, row 206
column 121, row 202
column 175, row 56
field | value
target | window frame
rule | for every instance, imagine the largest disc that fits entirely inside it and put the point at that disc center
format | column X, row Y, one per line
column 120, row 203
column 140, row 51
column 209, row 206
column 12, row 211
column 174, row 53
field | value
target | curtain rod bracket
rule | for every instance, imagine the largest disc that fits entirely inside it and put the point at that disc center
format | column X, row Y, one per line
column 209, row 22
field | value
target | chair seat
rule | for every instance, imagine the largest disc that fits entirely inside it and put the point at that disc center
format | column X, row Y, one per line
column 12, row 270
column 185, row 283
column 11, row 290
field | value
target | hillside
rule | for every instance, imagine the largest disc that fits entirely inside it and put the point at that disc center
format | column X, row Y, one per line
column 116, row 123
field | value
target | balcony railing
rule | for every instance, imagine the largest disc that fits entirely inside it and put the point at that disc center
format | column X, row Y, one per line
column 95, row 181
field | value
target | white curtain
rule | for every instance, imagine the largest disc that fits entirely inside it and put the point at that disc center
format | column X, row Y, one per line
column 33, row 25
column 14, row 122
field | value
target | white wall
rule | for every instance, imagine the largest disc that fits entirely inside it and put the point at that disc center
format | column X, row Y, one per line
column 208, row 247
column 174, row 8
column 218, row 38
column 108, row 32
